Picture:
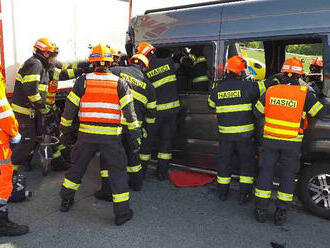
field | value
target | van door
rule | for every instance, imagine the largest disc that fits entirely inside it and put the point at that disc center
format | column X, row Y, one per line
column 195, row 142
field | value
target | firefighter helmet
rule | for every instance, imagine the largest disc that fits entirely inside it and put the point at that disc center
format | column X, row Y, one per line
column 135, row 59
column 145, row 48
column 100, row 53
column 235, row 64
column 116, row 55
column 45, row 45
column 293, row 65
column 317, row 62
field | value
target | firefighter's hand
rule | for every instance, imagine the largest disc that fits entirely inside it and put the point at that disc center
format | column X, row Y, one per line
column 67, row 139
column 135, row 145
column 16, row 139
column 135, row 140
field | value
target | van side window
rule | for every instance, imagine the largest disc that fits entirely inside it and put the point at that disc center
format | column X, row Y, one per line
column 265, row 58
column 195, row 71
column 254, row 55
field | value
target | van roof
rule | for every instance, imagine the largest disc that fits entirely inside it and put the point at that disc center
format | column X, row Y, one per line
column 233, row 20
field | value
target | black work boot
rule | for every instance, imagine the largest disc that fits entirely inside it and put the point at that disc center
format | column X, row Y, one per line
column 101, row 195
column 144, row 169
column 66, row 204
column 280, row 216
column 162, row 172
column 9, row 228
column 123, row 218
column 260, row 215
column 223, row 191
column 105, row 193
column 244, row 198
column 59, row 164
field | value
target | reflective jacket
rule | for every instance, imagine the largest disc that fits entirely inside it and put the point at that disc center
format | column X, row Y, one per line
column 8, row 123
column 233, row 100
column 281, row 128
column 32, row 83
column 162, row 76
column 99, row 99
column 283, row 110
column 143, row 92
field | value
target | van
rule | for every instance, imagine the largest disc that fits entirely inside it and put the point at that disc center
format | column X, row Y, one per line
column 222, row 29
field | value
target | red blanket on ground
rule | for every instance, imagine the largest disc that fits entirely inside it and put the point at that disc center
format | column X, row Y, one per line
column 188, row 179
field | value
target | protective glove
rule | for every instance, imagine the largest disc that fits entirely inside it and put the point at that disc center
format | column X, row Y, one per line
column 16, row 139
column 135, row 140
column 67, row 139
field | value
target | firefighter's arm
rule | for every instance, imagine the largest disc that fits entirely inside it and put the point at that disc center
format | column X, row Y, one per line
column 212, row 98
column 65, row 74
column 259, row 107
column 127, row 107
column 151, row 105
column 8, row 122
column 127, row 104
column 29, row 77
column 72, row 106
column 313, row 106
column 72, row 65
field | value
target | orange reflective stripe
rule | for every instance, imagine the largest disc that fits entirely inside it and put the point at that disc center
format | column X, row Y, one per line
column 284, row 106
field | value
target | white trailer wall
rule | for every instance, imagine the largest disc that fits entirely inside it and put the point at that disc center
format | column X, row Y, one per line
column 71, row 24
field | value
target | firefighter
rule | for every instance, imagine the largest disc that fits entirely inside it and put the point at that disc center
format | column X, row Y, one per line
column 233, row 98
column 147, row 50
column 315, row 78
column 29, row 97
column 99, row 99
column 145, row 106
column 162, row 76
column 200, row 79
column 8, row 134
column 285, row 108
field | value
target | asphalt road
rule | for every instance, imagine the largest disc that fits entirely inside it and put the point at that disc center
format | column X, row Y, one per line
column 164, row 217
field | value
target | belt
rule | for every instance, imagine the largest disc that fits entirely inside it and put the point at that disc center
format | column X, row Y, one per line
column 22, row 110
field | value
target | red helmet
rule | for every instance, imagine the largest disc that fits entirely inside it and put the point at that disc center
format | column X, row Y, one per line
column 293, row 65
column 100, row 53
column 145, row 48
column 235, row 64
column 317, row 62
column 135, row 59
column 45, row 45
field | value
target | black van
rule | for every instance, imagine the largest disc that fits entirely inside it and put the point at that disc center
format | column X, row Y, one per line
column 222, row 29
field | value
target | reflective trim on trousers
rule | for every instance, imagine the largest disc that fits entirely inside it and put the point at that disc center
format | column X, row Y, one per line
column 145, row 157
column 104, row 173
column 284, row 196
column 117, row 198
column 266, row 194
column 223, row 180
column 134, row 169
column 165, row 156
column 245, row 179
column 70, row 185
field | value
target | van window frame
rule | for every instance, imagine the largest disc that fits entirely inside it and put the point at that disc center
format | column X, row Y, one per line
column 214, row 44
column 324, row 37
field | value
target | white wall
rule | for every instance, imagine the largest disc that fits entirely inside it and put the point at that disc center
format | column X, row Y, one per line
column 71, row 24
